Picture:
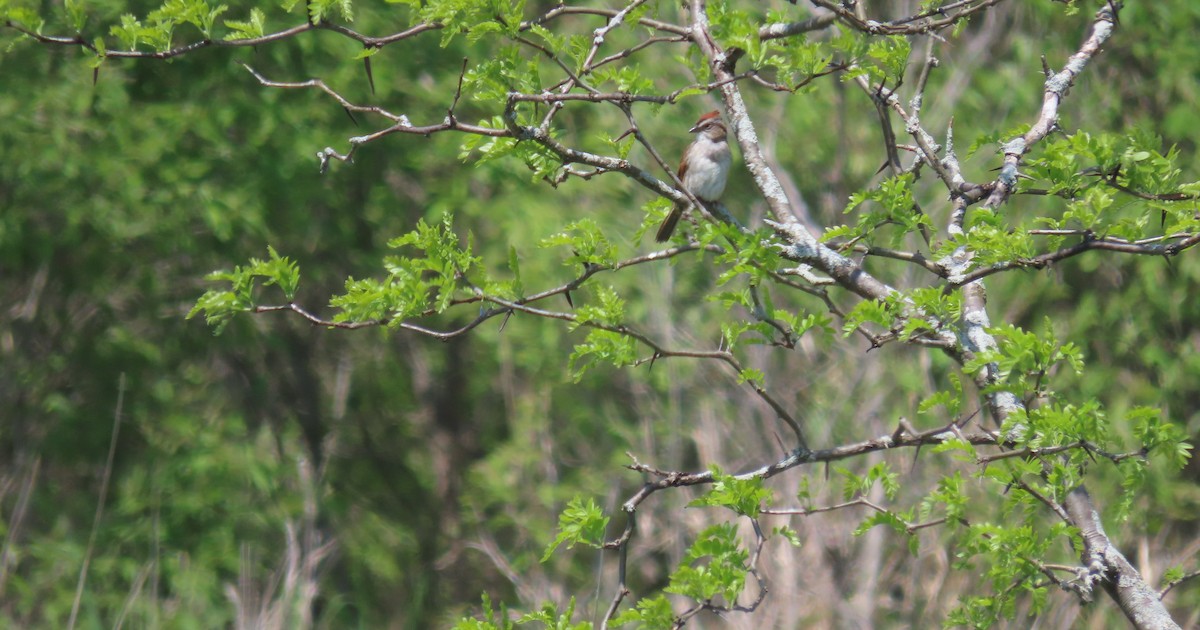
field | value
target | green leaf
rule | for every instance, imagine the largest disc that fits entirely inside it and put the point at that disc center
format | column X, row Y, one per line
column 880, row 312
column 416, row 285
column 101, row 52
column 889, row 204
column 750, row 375
column 493, row 619
column 788, row 534
column 714, row 565
column 744, row 496
column 128, row 33
column 955, row 444
column 890, row 55
column 76, row 14
column 650, row 613
column 601, row 345
column 550, row 617
column 625, row 79
column 369, row 51
column 859, row 485
column 950, row 495
column 588, row 244
column 580, row 523
column 219, row 306
column 251, row 29
column 319, row 10
column 1160, row 437
column 608, row 309
column 518, row 289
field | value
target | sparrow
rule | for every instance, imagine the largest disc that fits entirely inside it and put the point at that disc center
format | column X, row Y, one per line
column 703, row 170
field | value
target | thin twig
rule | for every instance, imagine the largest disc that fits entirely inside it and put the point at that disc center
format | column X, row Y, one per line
column 1183, row 578
column 911, row 25
column 1140, row 248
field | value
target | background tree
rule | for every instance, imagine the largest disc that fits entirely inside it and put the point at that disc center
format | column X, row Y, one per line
column 910, row 447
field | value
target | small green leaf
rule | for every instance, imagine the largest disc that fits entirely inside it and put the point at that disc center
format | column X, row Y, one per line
column 369, row 51
column 650, row 613
column 76, row 14
column 788, row 534
column 251, row 29
column 751, row 375
column 580, row 523
column 744, row 496
column 588, row 244
column 714, row 565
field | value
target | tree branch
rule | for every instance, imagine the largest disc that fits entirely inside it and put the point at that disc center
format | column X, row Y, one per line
column 789, row 29
column 1106, row 565
column 1056, row 88
column 923, row 22
column 1090, row 243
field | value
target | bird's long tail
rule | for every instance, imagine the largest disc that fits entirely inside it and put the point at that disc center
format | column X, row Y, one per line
column 668, row 225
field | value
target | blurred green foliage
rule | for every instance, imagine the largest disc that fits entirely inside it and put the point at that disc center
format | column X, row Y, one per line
column 422, row 473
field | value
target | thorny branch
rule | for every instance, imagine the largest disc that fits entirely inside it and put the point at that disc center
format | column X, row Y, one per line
column 368, row 41
column 1104, row 563
column 903, row 437
column 975, row 322
column 1108, row 567
column 1056, row 88
column 500, row 306
column 929, row 21
column 911, row 528
column 1090, row 242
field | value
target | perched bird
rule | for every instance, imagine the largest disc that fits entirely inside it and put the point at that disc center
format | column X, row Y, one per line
column 703, row 170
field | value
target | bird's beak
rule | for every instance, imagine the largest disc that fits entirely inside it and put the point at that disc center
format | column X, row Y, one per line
column 695, row 128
